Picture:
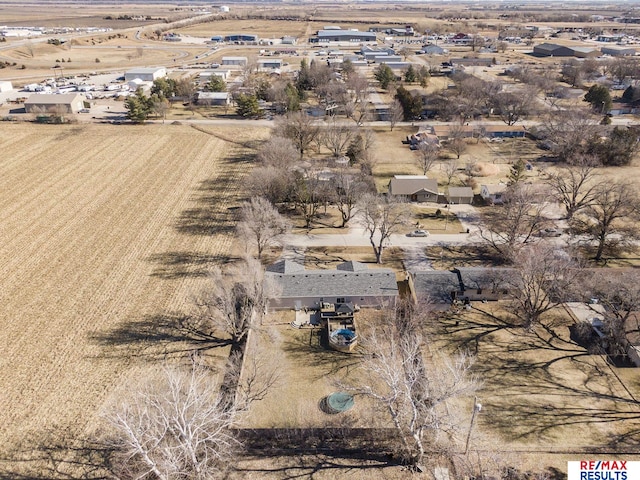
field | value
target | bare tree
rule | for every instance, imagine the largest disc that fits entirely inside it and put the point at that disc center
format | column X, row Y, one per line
column 261, row 224
column 457, row 146
column 427, row 154
column 175, row 426
column 544, row 277
column 234, row 301
column 306, row 194
column 298, row 127
column 381, row 217
column 610, row 220
column 514, row 224
column 278, row 152
column 349, row 189
column 272, row 183
column 357, row 105
column 337, row 137
column 418, row 395
column 450, row 169
column 511, row 107
column 396, row 113
column 575, row 186
column 568, row 131
column 619, row 293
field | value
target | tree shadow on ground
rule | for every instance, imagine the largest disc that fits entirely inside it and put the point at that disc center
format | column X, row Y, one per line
column 313, row 351
column 180, row 264
column 158, row 336
column 539, row 386
column 209, row 216
column 55, row 456
column 319, row 465
column 216, row 200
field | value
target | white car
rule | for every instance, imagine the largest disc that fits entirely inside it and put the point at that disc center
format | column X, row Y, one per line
column 418, row 233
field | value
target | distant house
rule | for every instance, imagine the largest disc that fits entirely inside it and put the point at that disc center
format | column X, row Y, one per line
column 270, row 64
column 207, row 74
column 472, row 62
column 417, row 188
column 493, row 193
column 213, row 98
column 434, row 50
column 54, row 103
column 293, row 286
column 145, row 74
column 618, row 52
column 460, row 195
column 234, row 61
column 552, row 50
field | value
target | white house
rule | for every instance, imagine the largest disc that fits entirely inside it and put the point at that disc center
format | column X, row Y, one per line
column 213, row 98
column 493, row 193
column 145, row 74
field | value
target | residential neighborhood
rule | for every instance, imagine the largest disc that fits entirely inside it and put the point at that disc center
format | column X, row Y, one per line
column 320, row 240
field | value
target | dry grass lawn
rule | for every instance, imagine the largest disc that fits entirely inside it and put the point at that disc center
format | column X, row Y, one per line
column 308, row 372
column 542, row 392
column 106, row 231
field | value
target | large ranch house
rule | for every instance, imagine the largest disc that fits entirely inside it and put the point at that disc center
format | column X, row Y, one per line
column 294, row 287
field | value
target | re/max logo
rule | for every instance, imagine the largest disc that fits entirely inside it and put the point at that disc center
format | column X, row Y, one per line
column 603, row 470
column 603, row 465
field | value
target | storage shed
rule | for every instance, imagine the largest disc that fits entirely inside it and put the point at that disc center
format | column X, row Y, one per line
column 54, row 103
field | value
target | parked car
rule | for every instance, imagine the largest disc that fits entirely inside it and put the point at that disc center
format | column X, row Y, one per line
column 418, row 233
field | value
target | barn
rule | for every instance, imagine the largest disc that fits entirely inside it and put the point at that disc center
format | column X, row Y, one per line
column 552, row 50
column 54, row 103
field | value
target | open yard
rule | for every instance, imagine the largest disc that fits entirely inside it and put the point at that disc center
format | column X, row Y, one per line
column 541, row 391
column 105, row 232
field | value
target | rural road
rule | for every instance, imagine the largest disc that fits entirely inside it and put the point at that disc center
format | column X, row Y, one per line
column 357, row 237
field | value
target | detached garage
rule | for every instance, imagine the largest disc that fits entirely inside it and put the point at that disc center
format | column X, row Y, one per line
column 54, row 103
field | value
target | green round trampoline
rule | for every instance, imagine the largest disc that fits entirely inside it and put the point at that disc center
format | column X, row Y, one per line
column 340, row 401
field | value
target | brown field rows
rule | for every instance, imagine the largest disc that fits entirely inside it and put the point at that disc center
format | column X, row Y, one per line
column 103, row 230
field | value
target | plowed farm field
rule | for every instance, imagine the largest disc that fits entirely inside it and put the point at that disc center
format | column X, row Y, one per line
column 105, row 232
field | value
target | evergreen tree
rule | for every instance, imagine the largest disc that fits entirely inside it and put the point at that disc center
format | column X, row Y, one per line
column 410, row 75
column 164, row 87
column 138, row 106
column 411, row 104
column 384, row 75
column 599, row 98
column 215, row 84
column 248, row 106
column 517, row 172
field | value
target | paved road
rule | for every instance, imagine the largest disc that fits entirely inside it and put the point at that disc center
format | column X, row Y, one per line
column 357, row 237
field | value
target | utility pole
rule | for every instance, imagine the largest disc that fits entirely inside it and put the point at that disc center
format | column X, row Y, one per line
column 476, row 408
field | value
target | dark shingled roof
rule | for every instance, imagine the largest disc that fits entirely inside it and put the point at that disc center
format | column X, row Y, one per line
column 342, row 282
column 492, row 278
column 285, row 266
column 437, row 285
